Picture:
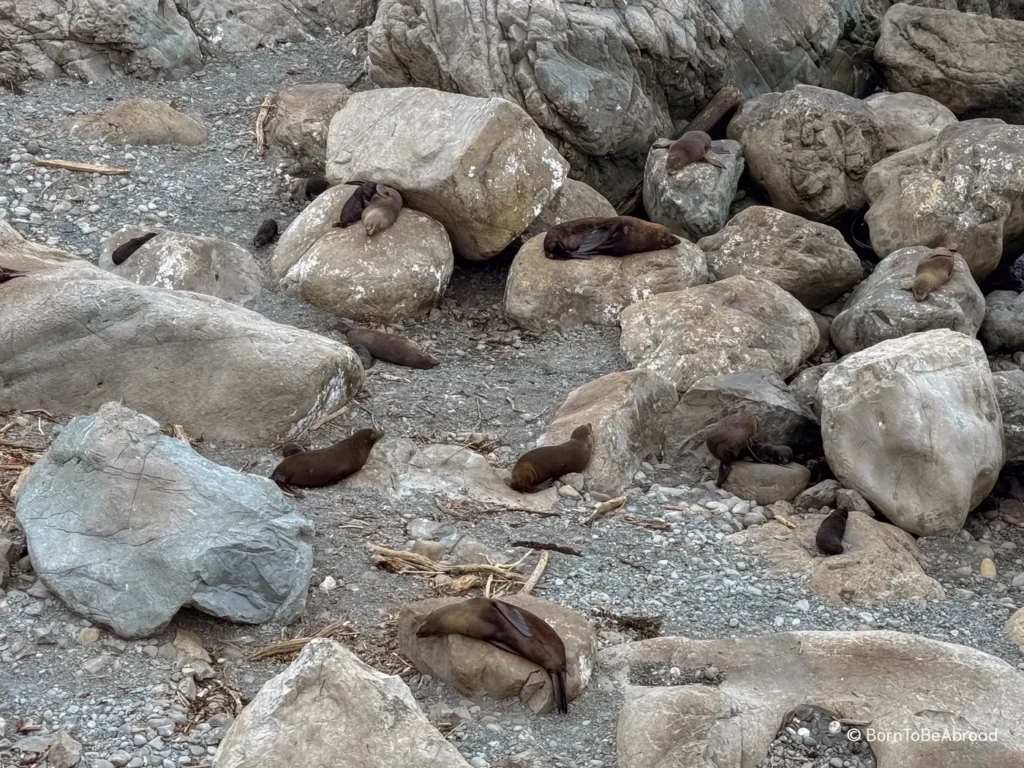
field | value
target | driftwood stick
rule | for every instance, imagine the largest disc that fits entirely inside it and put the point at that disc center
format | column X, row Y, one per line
column 71, row 165
column 535, row 576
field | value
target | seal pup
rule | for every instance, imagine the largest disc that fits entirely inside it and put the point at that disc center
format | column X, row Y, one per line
column 728, row 439
column 314, row 187
column 126, row 249
column 325, row 466
column 693, row 147
column 509, row 628
column 608, row 235
column 389, row 348
column 771, row 454
column 933, row 272
column 382, row 210
column 829, row 538
column 536, row 468
column 10, row 274
column 364, row 355
column 352, row 211
column 266, row 234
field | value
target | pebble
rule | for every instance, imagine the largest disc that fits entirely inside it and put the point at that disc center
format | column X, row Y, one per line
column 987, row 569
column 88, row 636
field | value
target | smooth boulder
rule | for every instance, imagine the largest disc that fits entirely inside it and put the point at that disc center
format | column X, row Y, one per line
column 575, row 200
column 140, row 122
column 297, row 126
column 1003, row 326
column 1010, row 394
column 766, row 484
column 909, row 119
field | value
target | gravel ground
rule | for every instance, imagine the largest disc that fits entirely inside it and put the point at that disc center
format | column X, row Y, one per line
column 120, row 699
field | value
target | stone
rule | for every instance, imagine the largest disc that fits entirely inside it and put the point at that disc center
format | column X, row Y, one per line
column 98, row 514
column 736, row 324
column 477, row 668
column 987, row 569
column 531, row 758
column 432, row 549
column 140, row 122
column 1015, row 627
column 881, row 410
column 296, row 129
column 852, row 501
column 184, row 262
column 908, row 119
column 1003, row 326
column 544, row 294
column 883, row 307
column 374, row 718
column 88, row 636
column 190, row 646
column 1010, row 396
column 65, row 751
column 809, row 260
column 479, row 166
column 575, row 200
column 822, row 494
column 767, row 483
column 804, row 386
column 810, row 148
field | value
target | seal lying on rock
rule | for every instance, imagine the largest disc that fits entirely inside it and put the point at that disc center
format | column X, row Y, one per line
column 771, row 454
column 352, row 211
column 693, row 147
column 729, row 439
column 508, row 627
column 388, row 347
column 537, row 467
column 382, row 210
column 266, row 234
column 10, row 274
column 608, row 235
column 123, row 251
column 315, row 469
column 933, row 272
column 829, row 538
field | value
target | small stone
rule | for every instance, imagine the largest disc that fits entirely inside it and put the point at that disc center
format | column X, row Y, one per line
column 38, row 590
column 328, row 584
column 711, row 673
column 567, row 491
column 754, row 518
column 988, row 569
column 478, row 762
column 98, row 665
column 88, row 636
column 1018, row 581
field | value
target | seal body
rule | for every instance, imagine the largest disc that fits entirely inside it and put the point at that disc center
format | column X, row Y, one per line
column 10, row 274
column 315, row 469
column 508, row 627
column 364, row 355
column 728, row 439
column 933, row 272
column 123, row 251
column 535, row 468
column 611, row 236
column 266, row 234
column 390, row 348
column 382, row 210
column 692, row 147
column 771, row 454
column 352, row 211
column 314, row 187
column 290, row 449
column 829, row 538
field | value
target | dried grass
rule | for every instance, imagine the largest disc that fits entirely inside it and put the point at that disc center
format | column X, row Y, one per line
column 501, row 578
column 287, row 650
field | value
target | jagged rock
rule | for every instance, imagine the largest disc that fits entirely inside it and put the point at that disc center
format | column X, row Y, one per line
column 476, row 668
column 481, row 167
column 805, row 386
column 1003, row 326
column 184, row 262
column 810, row 148
column 1010, row 394
column 140, row 122
column 543, row 293
column 810, row 260
column 65, row 752
column 767, row 483
column 882, row 307
column 374, row 719
column 627, row 411
column 575, row 200
column 965, row 61
column 909, row 119
column 297, row 126
column 938, row 193
column 821, row 495
column 881, row 412
column 693, row 202
column 1000, row 9
column 737, row 324
column 98, row 514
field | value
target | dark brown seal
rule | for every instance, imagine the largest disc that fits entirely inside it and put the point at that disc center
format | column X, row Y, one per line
column 508, row 627
column 729, row 439
column 314, row 187
column 352, row 211
column 693, row 147
column 123, row 251
column 290, row 449
column 315, row 469
column 771, row 454
column 382, row 210
column 829, row 538
column 390, row 348
column 933, row 272
column 537, row 467
column 364, row 355
column 10, row 274
column 608, row 235
column 266, row 234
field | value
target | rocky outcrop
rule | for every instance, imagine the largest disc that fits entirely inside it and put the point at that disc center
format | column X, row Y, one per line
column 575, row 200
column 298, row 122
column 479, row 166
column 1003, row 326
column 1010, row 394
column 114, row 502
column 909, row 119
column 140, row 122
column 897, row 420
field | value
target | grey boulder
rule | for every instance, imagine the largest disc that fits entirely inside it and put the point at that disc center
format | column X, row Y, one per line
column 909, row 119
column 298, row 122
column 1003, row 326
column 575, row 200
column 1010, row 394
column 805, row 386
column 140, row 122
column 767, row 483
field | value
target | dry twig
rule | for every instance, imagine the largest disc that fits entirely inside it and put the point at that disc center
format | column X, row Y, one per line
column 646, row 522
column 504, row 577
column 71, row 165
column 286, row 650
column 603, row 508
column 261, row 122
column 542, row 563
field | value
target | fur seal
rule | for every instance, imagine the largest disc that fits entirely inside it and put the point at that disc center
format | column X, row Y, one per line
column 933, row 272
column 382, row 210
column 771, row 454
column 508, row 627
column 535, row 468
column 126, row 249
column 315, row 469
column 314, row 187
column 10, row 274
column 728, row 439
column 266, row 234
column 829, row 538
column 608, row 235
column 364, row 355
column 290, row 449
column 390, row 348
column 693, row 147
column 352, row 211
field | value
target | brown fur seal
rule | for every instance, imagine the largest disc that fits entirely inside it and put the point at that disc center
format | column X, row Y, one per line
column 829, row 538
column 508, row 627
column 771, row 454
column 729, row 439
column 608, row 235
column 692, row 147
column 933, row 272
column 382, row 210
column 123, row 251
column 352, row 211
column 535, row 468
column 390, row 348
column 290, row 449
column 267, row 233
column 10, row 274
column 315, row 187
column 315, row 469
column 364, row 355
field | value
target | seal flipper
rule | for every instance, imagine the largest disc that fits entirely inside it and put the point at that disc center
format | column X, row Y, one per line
column 10, row 274
column 723, row 472
column 598, row 238
column 558, row 685
column 512, row 615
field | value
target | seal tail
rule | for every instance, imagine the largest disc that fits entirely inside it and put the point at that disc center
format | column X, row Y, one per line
column 10, row 274
column 558, row 684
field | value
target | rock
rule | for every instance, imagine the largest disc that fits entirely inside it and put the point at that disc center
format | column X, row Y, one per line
column 821, row 495
column 476, row 668
column 316, row 220
column 908, row 119
column 767, row 483
column 810, row 148
column 88, row 636
column 468, row 550
column 296, row 129
column 804, row 386
column 432, row 549
column 882, row 307
column 190, row 646
column 97, row 514
column 693, row 202
column 962, row 60
column 852, row 501
column 880, row 563
column 1015, row 626
column 809, row 260
column 184, row 262
column 627, row 411
column 726, row 327
column 140, row 122
column 987, row 569
column 1010, row 395
column 65, row 752
column 938, row 193
column 479, row 166
column 575, row 200
column 531, row 758
column 374, row 719
column 543, row 293
column 1003, row 326
column 881, row 410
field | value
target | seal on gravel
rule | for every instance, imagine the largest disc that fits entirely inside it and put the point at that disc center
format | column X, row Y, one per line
column 382, row 210
column 829, row 538
column 693, row 147
column 536, row 468
column 352, row 210
column 607, row 235
column 728, row 440
column 126, row 249
column 389, row 348
column 509, row 628
column 314, row 187
column 933, row 272
column 10, row 274
column 266, row 234
column 315, row 469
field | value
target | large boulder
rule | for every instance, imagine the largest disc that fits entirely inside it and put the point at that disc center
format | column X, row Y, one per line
column 374, row 719
column 298, row 122
column 481, row 167
column 543, row 293
column 127, row 526
column 140, row 122
column 897, row 420
column 805, row 386
column 737, row 324
column 909, row 119
column 575, row 200
column 812, row 261
column 883, row 307
column 810, row 148
column 766, row 484
column 1003, row 326
column 1010, row 394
